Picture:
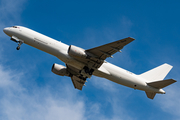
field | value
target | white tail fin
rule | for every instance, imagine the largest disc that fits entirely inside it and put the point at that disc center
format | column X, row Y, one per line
column 158, row 73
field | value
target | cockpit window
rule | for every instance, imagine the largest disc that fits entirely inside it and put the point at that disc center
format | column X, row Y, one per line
column 14, row 26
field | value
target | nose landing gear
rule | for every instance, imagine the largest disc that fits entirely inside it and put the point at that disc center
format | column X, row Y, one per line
column 15, row 39
column 19, row 45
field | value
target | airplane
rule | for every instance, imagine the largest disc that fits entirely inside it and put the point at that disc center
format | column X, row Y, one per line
column 81, row 64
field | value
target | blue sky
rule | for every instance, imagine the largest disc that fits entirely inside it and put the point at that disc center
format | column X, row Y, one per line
column 29, row 90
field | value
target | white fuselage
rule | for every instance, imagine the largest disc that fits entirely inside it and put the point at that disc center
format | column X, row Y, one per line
column 59, row 49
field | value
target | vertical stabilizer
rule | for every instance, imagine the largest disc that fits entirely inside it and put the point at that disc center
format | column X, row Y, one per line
column 158, row 73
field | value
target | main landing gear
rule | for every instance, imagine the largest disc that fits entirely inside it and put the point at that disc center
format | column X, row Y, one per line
column 88, row 71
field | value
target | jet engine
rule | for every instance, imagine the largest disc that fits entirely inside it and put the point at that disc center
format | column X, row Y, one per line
column 76, row 52
column 60, row 70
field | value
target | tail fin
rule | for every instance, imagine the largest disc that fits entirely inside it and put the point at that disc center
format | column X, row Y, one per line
column 158, row 73
column 155, row 78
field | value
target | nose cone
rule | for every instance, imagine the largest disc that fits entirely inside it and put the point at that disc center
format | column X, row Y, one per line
column 6, row 31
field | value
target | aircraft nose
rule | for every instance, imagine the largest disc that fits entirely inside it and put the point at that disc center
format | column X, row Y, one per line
column 5, row 30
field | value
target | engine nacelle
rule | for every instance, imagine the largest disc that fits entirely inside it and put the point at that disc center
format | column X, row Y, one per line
column 76, row 52
column 60, row 70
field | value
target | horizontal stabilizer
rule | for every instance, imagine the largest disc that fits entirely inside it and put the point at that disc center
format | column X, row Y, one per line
column 150, row 95
column 158, row 73
column 161, row 84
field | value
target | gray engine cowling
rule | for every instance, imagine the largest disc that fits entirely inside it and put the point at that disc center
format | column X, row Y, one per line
column 60, row 70
column 76, row 52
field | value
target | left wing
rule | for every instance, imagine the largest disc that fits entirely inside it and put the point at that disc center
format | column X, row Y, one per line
column 77, row 82
column 77, row 78
column 107, row 50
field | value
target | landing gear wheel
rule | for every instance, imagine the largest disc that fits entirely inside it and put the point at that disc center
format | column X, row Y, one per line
column 91, row 72
column 19, row 45
column 87, row 70
column 18, row 48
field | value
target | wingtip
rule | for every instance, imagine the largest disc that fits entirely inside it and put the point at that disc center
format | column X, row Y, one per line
column 131, row 38
column 174, row 80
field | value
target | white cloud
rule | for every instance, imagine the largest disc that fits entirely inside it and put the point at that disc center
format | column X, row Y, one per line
column 170, row 101
column 10, row 11
column 29, row 101
column 17, row 102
